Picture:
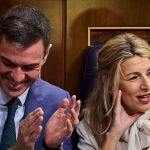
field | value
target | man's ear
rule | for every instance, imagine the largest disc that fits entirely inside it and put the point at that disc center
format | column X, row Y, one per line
column 47, row 53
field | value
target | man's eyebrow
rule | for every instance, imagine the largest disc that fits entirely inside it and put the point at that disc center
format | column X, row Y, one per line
column 9, row 61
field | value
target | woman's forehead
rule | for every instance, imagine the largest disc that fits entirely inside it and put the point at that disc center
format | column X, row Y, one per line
column 134, row 64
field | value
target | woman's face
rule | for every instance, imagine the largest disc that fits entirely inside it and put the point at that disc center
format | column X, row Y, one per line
column 135, row 84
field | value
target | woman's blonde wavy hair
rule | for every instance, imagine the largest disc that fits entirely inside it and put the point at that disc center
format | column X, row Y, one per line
column 98, row 112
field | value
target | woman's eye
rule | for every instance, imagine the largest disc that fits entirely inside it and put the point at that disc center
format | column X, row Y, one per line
column 148, row 73
column 132, row 78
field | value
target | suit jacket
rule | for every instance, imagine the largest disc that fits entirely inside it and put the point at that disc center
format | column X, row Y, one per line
column 48, row 97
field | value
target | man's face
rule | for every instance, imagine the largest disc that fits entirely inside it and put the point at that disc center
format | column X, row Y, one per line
column 19, row 68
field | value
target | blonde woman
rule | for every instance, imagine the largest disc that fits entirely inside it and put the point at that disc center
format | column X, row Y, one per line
column 117, row 111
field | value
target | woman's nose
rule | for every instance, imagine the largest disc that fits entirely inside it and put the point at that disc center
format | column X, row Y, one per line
column 145, row 85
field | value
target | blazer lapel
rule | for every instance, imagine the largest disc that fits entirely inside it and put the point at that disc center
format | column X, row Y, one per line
column 34, row 98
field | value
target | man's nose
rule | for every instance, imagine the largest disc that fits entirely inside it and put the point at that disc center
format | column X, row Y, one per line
column 17, row 75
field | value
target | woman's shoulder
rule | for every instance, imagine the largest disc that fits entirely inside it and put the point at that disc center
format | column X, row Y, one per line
column 83, row 127
column 86, row 137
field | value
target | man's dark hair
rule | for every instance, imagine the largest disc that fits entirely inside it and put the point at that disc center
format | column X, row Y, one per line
column 24, row 25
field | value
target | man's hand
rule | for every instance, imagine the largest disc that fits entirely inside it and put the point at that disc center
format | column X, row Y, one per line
column 62, row 123
column 29, row 130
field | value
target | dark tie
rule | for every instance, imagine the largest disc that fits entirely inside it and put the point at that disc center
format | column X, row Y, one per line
column 9, row 134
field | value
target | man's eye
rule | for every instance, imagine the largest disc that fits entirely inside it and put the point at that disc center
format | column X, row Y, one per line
column 29, row 68
column 8, row 64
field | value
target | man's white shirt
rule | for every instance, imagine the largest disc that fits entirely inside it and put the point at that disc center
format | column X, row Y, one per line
column 3, row 110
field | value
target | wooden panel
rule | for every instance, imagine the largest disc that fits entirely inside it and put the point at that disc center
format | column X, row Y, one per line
column 98, row 35
column 82, row 14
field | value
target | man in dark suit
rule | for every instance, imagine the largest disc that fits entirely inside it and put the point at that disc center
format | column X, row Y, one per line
column 44, row 118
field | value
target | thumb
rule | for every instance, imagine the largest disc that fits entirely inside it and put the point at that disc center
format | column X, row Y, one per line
column 64, row 105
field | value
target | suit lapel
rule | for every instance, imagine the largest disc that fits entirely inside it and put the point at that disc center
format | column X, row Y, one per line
column 34, row 98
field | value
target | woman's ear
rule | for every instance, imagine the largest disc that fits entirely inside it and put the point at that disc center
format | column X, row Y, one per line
column 47, row 53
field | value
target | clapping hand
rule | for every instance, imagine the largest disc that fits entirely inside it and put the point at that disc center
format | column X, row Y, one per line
column 62, row 123
column 29, row 130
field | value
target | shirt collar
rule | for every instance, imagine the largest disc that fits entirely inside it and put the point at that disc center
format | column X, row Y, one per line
column 5, row 98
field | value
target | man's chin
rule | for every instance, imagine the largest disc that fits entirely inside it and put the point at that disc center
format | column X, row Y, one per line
column 14, row 93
